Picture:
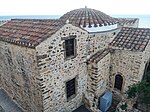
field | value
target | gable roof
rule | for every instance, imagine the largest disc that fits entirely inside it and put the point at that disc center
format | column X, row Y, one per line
column 28, row 32
column 99, row 55
column 132, row 38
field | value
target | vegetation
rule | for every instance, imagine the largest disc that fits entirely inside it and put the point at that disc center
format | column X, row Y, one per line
column 141, row 91
column 124, row 106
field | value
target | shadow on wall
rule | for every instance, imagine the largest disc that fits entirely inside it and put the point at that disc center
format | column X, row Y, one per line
column 7, row 104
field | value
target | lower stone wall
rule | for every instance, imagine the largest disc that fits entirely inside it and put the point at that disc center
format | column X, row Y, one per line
column 98, row 76
column 104, row 73
column 54, row 87
column 130, row 65
column 19, row 76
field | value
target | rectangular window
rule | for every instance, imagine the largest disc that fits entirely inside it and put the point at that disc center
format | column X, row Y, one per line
column 69, row 47
column 70, row 88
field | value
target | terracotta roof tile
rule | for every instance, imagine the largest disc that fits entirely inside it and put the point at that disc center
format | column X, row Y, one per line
column 127, row 20
column 132, row 38
column 87, row 17
column 99, row 55
column 28, row 32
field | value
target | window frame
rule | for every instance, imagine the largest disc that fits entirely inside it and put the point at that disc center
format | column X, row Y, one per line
column 64, row 46
column 69, row 47
column 75, row 93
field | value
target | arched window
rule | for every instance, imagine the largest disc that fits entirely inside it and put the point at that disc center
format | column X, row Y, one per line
column 118, row 82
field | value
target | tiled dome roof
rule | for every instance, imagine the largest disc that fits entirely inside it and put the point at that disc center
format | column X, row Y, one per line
column 88, row 17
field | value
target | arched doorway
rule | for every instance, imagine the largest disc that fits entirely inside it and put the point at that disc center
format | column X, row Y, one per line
column 118, row 82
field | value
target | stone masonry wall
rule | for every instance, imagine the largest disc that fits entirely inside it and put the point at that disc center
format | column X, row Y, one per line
column 129, row 64
column 146, row 58
column 97, row 82
column 18, row 76
column 55, row 70
column 104, row 73
column 146, row 53
column 99, row 41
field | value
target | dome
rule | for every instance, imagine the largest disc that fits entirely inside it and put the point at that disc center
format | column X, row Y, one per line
column 88, row 18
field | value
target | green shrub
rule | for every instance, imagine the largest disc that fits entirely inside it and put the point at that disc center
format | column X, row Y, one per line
column 124, row 106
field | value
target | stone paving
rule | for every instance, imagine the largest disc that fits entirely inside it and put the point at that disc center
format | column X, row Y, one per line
column 81, row 109
column 6, row 104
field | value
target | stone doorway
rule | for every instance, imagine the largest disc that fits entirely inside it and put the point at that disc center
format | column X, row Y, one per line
column 118, row 82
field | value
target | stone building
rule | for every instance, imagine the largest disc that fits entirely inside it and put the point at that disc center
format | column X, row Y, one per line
column 59, row 65
column 3, row 22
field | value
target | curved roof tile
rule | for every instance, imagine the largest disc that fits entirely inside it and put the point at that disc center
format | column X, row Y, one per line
column 132, row 38
column 127, row 20
column 28, row 32
column 88, row 17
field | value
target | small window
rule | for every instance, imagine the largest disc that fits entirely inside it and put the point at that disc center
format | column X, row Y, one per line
column 70, row 88
column 114, row 33
column 69, row 47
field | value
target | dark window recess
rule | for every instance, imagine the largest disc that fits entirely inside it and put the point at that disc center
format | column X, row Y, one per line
column 70, row 87
column 69, row 47
column 118, row 82
column 114, row 33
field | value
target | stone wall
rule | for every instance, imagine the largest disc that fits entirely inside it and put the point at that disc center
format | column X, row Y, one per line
column 36, row 78
column 104, row 73
column 146, row 53
column 55, row 70
column 146, row 59
column 19, row 76
column 129, row 64
column 100, row 40
column 98, row 76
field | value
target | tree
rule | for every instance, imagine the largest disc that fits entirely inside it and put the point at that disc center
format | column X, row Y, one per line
column 141, row 91
column 148, row 77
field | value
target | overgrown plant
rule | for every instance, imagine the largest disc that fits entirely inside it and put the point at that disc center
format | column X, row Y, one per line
column 141, row 91
column 124, row 106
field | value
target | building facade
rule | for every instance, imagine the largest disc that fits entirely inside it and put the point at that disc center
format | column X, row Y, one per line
column 59, row 65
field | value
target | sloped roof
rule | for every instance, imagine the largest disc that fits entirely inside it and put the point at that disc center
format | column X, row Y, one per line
column 127, row 20
column 87, row 17
column 28, row 32
column 132, row 38
column 99, row 55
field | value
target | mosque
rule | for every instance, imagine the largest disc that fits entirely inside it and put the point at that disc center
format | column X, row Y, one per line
column 58, row 65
